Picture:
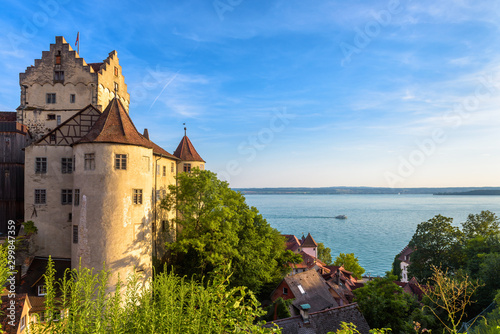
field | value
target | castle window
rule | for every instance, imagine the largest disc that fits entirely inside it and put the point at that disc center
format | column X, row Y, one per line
column 116, row 87
column 76, row 200
column 116, row 71
column 58, row 76
column 58, row 58
column 72, row 98
column 51, row 117
column 66, row 196
column 40, row 196
column 172, row 167
column 42, row 290
column 40, row 165
column 164, row 170
column 137, row 196
column 75, row 234
column 53, row 138
column 58, row 119
column 89, row 161
column 50, row 98
column 120, row 161
column 66, row 165
column 187, row 168
column 202, row 166
column 70, row 217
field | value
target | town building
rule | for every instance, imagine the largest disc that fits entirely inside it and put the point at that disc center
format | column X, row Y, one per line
column 93, row 183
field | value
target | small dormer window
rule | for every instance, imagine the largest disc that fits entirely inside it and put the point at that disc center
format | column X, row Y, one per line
column 42, row 290
column 301, row 289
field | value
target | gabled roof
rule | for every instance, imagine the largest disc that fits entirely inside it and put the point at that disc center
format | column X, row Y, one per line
column 37, row 269
column 292, row 242
column 325, row 321
column 186, row 151
column 309, row 241
column 404, row 256
column 8, row 116
column 315, row 290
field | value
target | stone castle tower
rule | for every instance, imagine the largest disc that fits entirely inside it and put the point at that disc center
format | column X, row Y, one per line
column 61, row 83
column 93, row 183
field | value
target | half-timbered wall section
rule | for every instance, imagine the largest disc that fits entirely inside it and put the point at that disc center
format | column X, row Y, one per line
column 73, row 129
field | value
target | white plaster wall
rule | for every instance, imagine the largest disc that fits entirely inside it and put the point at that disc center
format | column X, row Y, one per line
column 119, row 232
column 51, row 219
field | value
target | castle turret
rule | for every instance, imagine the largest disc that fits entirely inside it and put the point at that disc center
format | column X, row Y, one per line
column 188, row 156
column 113, row 176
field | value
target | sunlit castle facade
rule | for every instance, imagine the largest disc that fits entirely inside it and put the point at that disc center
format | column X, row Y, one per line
column 93, row 183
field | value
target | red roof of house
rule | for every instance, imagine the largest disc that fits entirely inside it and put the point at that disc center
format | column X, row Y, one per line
column 186, row 151
column 8, row 116
column 115, row 126
column 405, row 254
column 309, row 241
column 292, row 242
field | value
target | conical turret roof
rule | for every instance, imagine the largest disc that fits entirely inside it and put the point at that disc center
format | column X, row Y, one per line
column 115, row 126
column 186, row 151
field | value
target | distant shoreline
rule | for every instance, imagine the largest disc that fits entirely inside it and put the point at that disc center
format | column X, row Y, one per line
column 451, row 191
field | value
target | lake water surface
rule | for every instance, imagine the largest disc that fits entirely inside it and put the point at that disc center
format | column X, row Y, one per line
column 378, row 226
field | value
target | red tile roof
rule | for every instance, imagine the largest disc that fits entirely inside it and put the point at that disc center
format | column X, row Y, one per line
column 292, row 242
column 309, row 241
column 186, row 151
column 8, row 116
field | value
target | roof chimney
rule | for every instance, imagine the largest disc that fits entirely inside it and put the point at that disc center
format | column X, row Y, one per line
column 146, row 134
column 304, row 312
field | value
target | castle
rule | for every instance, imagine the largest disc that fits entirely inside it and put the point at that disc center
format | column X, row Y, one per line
column 93, row 183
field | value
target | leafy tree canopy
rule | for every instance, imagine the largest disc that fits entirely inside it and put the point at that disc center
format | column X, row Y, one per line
column 324, row 254
column 350, row 263
column 436, row 243
column 216, row 227
column 484, row 224
column 384, row 304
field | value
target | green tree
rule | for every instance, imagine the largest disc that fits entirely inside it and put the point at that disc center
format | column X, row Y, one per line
column 350, row 263
column 436, row 243
column 384, row 304
column 484, row 224
column 324, row 254
column 216, row 227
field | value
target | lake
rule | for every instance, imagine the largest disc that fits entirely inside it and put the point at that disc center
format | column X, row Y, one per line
column 378, row 226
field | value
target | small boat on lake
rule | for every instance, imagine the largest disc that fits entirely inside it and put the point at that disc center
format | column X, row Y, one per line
column 341, row 217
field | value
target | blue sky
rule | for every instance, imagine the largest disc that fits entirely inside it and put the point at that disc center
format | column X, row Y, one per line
column 398, row 93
